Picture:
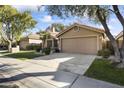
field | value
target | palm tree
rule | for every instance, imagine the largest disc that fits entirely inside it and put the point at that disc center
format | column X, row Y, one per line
column 43, row 36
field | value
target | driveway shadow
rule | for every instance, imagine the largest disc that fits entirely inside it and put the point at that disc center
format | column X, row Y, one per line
column 66, row 81
column 25, row 75
column 8, row 68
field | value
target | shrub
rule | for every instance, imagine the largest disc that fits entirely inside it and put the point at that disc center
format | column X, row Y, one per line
column 38, row 50
column 105, row 53
column 46, row 51
column 110, row 47
column 3, row 47
column 99, row 53
column 29, row 47
column 33, row 47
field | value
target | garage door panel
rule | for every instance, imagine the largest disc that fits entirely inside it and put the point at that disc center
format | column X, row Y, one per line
column 87, row 45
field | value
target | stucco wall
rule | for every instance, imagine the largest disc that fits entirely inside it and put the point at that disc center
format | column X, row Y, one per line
column 80, row 33
column 15, row 49
column 120, row 41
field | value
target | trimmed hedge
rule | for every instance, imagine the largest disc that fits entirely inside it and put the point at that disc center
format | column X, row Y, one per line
column 33, row 47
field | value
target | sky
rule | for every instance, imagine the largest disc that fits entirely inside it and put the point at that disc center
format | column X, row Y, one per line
column 44, row 20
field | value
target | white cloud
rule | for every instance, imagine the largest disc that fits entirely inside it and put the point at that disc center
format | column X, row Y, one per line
column 47, row 19
column 26, row 7
column 42, row 8
column 114, row 33
column 113, row 20
column 111, row 27
column 100, row 26
column 35, row 30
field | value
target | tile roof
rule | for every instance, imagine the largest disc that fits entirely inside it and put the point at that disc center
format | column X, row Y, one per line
column 33, row 36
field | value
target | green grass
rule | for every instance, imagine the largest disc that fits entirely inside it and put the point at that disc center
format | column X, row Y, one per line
column 103, row 70
column 22, row 55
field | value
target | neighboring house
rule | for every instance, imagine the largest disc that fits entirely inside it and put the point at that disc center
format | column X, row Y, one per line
column 80, row 38
column 119, row 39
column 30, row 39
column 52, row 42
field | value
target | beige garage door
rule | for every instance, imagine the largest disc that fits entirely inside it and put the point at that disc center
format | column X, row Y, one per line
column 87, row 45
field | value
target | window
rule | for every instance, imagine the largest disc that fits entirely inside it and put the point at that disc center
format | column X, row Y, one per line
column 55, row 43
column 76, row 28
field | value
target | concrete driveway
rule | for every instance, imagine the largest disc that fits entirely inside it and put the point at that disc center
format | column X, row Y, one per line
column 57, row 70
column 75, row 63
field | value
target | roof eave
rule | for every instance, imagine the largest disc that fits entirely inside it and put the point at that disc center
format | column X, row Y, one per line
column 119, row 35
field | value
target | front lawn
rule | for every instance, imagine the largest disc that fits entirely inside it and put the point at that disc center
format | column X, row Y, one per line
column 102, row 69
column 23, row 55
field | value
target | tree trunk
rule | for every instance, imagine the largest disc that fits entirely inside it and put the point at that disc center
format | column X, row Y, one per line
column 121, row 19
column 10, row 46
column 122, row 49
column 110, row 36
column 115, row 46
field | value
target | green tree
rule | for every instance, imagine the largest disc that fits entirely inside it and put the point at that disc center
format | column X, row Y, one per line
column 43, row 36
column 5, row 16
column 96, row 13
column 20, row 23
column 58, row 26
column 14, row 24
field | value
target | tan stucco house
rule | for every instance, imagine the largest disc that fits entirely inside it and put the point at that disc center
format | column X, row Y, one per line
column 80, row 38
column 119, row 39
column 30, row 39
